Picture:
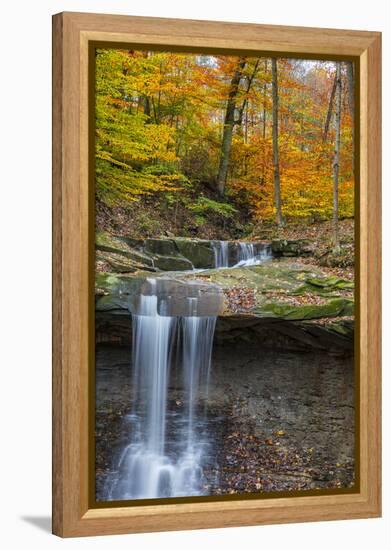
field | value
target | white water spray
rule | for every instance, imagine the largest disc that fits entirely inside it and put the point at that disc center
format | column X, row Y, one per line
column 240, row 254
column 252, row 254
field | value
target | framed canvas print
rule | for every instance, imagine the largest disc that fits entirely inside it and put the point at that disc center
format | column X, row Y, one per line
column 216, row 215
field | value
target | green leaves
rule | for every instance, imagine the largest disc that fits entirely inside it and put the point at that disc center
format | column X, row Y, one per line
column 134, row 156
column 204, row 204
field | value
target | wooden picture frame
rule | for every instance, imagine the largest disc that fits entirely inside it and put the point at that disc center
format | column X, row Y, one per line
column 73, row 33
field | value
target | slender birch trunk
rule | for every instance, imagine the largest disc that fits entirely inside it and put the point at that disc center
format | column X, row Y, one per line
column 276, row 162
column 350, row 79
column 337, row 148
column 330, row 110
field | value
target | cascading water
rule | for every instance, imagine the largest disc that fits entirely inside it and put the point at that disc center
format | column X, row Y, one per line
column 246, row 253
column 252, row 254
column 243, row 253
column 167, row 448
column 220, row 249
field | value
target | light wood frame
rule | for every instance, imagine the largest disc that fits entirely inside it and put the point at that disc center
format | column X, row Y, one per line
column 72, row 33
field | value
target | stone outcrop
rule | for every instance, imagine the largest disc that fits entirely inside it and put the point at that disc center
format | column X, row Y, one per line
column 126, row 255
column 121, row 254
column 298, row 303
column 291, row 248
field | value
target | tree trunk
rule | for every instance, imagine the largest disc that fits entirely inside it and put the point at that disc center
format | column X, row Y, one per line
column 147, row 107
column 276, row 163
column 247, row 90
column 264, row 105
column 329, row 110
column 350, row 79
column 337, row 149
column 229, row 122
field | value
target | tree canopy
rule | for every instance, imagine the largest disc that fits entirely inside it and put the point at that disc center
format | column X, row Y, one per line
column 167, row 121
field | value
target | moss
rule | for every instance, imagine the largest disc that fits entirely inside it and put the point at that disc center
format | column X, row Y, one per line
column 343, row 328
column 330, row 283
column 274, row 283
column 334, row 308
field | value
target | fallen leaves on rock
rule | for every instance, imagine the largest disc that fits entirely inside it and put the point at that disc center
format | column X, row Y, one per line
column 239, row 299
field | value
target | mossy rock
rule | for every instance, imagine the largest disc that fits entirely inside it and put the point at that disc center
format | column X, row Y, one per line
column 132, row 243
column 277, row 289
column 109, row 243
column 290, row 248
column 278, row 286
column 120, row 256
column 330, row 283
column 278, row 310
column 129, row 263
column 172, row 263
column 115, row 291
column 324, row 286
column 199, row 252
column 342, row 327
column 277, row 275
column 163, row 247
column 117, row 262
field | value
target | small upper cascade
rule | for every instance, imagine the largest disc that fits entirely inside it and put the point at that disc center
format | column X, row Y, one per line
column 252, row 253
column 221, row 250
column 240, row 254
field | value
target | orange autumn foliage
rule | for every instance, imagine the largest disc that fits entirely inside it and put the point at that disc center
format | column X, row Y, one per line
column 160, row 119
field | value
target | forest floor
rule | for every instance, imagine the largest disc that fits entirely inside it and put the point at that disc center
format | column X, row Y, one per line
column 157, row 216
column 340, row 264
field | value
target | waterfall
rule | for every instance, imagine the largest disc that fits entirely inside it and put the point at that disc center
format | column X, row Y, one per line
column 252, row 254
column 220, row 249
column 167, row 447
column 168, row 439
column 246, row 253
